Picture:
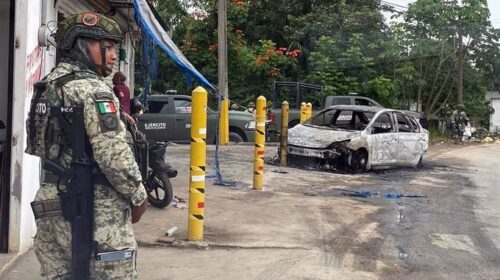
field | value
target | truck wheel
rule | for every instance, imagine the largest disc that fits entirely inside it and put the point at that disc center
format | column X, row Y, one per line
column 235, row 137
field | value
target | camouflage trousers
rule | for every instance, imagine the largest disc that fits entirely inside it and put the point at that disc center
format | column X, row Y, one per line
column 113, row 231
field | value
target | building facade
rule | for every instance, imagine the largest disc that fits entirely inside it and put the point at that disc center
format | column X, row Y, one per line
column 494, row 98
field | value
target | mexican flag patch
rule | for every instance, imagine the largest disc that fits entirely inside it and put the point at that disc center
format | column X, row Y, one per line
column 106, row 107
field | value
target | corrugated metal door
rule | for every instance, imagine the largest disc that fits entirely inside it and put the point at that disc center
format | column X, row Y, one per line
column 69, row 7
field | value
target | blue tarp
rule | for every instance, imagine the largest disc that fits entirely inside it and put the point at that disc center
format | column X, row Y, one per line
column 154, row 29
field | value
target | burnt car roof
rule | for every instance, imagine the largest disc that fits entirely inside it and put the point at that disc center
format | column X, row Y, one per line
column 359, row 108
column 373, row 109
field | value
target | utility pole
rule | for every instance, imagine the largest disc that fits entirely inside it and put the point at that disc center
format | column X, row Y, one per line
column 460, row 69
column 222, row 74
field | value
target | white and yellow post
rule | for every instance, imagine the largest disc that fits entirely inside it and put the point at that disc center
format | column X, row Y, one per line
column 260, row 142
column 196, row 216
column 303, row 112
column 309, row 110
column 224, row 122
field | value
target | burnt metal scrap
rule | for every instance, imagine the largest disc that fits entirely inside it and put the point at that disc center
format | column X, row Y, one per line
column 357, row 138
column 386, row 195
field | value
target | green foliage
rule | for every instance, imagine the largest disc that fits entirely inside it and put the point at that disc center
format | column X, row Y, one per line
column 345, row 46
column 436, row 133
column 382, row 89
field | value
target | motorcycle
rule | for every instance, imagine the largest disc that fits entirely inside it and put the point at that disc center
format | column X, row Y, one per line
column 156, row 173
column 158, row 184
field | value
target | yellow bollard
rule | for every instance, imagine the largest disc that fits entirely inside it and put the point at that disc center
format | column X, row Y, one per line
column 284, row 133
column 260, row 141
column 303, row 112
column 224, row 122
column 198, row 161
column 309, row 110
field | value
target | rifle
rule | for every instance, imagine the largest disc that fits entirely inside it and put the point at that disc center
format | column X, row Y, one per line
column 140, row 149
column 77, row 200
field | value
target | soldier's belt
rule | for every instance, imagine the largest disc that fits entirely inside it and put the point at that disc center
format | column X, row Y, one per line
column 46, row 208
column 51, row 178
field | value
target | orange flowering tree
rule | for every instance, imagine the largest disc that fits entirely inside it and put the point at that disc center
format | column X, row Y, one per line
column 253, row 66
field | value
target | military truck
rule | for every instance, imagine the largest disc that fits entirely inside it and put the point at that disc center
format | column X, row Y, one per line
column 168, row 118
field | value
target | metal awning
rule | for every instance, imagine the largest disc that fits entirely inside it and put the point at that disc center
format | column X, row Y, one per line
column 150, row 23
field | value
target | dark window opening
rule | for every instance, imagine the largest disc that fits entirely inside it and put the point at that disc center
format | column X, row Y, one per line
column 403, row 124
column 155, row 107
column 383, row 124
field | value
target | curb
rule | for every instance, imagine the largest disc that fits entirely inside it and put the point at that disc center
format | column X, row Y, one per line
column 10, row 263
column 172, row 242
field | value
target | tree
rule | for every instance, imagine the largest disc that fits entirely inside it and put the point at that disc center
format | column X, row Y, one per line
column 346, row 46
column 452, row 33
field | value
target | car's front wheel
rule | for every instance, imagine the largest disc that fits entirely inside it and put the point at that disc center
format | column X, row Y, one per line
column 359, row 161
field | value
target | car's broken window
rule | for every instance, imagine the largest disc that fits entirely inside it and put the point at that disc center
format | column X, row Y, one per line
column 342, row 119
column 383, row 124
column 404, row 125
column 414, row 124
column 323, row 119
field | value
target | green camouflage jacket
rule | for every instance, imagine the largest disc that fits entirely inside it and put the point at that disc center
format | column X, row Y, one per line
column 108, row 137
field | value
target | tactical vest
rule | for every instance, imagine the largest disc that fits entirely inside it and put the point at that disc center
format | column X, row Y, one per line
column 46, row 138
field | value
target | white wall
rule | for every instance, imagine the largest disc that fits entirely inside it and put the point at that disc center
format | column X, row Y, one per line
column 31, row 62
column 495, row 118
column 28, row 68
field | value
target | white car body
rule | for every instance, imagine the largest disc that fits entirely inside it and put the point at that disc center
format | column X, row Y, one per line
column 389, row 138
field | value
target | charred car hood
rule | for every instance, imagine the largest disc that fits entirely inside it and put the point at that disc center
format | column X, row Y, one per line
column 315, row 137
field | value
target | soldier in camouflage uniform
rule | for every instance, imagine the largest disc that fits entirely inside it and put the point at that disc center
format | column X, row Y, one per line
column 459, row 121
column 86, row 44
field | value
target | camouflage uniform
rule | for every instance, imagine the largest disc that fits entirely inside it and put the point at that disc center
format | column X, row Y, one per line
column 112, row 153
column 458, row 121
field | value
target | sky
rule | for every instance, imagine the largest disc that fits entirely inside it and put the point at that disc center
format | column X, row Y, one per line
column 494, row 6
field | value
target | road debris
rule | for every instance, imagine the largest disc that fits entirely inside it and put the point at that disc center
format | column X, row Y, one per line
column 228, row 184
column 488, row 140
column 386, row 195
column 171, row 231
column 178, row 202
column 280, row 171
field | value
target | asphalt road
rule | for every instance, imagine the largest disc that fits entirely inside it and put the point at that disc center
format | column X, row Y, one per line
column 303, row 226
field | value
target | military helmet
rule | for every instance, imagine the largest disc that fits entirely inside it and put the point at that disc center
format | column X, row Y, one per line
column 89, row 25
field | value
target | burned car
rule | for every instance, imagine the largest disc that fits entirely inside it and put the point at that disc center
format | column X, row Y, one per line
column 358, row 138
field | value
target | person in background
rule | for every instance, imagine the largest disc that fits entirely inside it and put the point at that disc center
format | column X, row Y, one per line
column 122, row 91
column 251, row 107
column 459, row 120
